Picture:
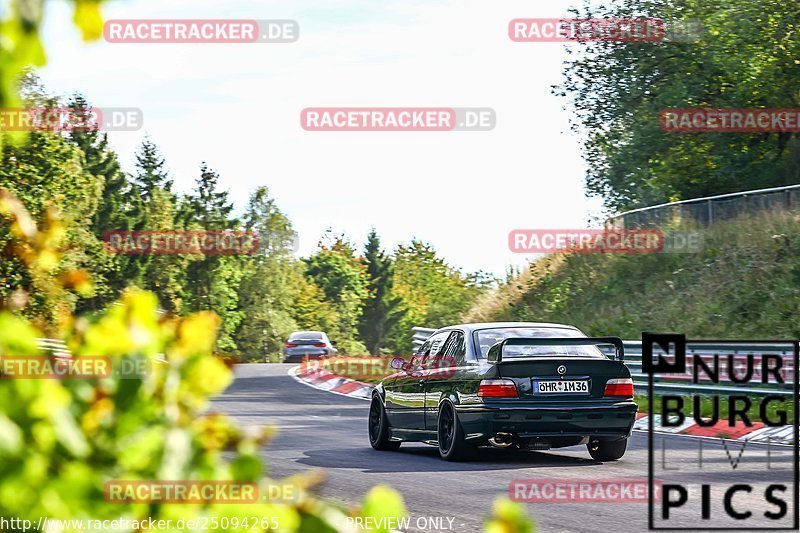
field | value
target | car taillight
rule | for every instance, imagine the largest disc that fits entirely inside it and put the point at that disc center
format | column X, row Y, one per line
column 497, row 388
column 320, row 345
column 619, row 387
column 290, row 345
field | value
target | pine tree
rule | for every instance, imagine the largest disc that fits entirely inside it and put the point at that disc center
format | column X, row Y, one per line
column 274, row 230
column 208, row 206
column 342, row 278
column 381, row 308
column 119, row 209
column 163, row 274
column 213, row 281
column 151, row 172
column 272, row 281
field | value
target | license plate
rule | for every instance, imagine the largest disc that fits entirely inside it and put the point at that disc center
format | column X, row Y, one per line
column 561, row 387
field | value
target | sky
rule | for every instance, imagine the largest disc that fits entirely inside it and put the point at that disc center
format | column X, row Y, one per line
column 237, row 107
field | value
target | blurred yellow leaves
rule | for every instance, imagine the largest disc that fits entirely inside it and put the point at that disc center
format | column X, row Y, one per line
column 88, row 19
column 197, row 333
column 207, row 377
column 508, row 517
column 19, row 337
column 383, row 501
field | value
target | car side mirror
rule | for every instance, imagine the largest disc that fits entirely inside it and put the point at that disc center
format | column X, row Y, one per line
column 398, row 363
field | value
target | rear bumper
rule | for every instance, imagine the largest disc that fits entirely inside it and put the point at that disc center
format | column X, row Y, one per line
column 300, row 357
column 611, row 420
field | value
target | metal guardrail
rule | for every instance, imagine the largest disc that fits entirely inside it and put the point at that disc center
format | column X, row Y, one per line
column 706, row 211
column 57, row 346
column 683, row 384
column 737, row 352
column 419, row 336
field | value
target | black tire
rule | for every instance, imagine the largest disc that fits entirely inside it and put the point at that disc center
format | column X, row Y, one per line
column 379, row 427
column 452, row 444
column 607, row 450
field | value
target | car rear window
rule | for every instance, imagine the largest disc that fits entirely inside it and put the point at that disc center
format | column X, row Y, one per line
column 305, row 336
column 486, row 338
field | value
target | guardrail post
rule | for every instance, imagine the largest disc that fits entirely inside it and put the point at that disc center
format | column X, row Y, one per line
column 710, row 212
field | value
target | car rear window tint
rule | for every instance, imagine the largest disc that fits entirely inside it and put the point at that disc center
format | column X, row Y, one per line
column 305, row 335
column 486, row 338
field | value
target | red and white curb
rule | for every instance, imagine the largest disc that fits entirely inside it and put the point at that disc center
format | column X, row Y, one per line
column 324, row 380
column 757, row 432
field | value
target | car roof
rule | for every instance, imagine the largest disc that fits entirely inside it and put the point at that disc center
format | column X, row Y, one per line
column 487, row 325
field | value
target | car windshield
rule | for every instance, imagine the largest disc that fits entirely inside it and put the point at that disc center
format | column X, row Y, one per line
column 486, row 338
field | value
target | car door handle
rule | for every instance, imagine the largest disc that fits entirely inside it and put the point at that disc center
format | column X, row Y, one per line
column 421, row 382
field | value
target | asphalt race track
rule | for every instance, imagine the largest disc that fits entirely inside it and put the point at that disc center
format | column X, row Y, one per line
column 329, row 431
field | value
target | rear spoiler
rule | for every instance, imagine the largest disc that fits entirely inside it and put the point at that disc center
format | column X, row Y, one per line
column 495, row 355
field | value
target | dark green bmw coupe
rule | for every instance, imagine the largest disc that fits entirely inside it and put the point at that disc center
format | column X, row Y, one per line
column 535, row 386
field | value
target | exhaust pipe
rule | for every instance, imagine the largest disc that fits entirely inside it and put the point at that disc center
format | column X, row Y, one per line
column 502, row 440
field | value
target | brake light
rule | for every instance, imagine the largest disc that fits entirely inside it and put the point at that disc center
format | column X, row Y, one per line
column 619, row 387
column 497, row 388
column 320, row 345
column 290, row 345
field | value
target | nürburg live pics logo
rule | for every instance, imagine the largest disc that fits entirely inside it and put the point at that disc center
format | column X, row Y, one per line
column 738, row 401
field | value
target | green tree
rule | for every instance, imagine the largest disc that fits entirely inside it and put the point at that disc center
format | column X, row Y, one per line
column 120, row 209
column 212, row 280
column 46, row 172
column 151, row 175
column 381, row 307
column 270, row 281
column 433, row 293
column 746, row 56
column 342, row 278
column 312, row 311
column 165, row 275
